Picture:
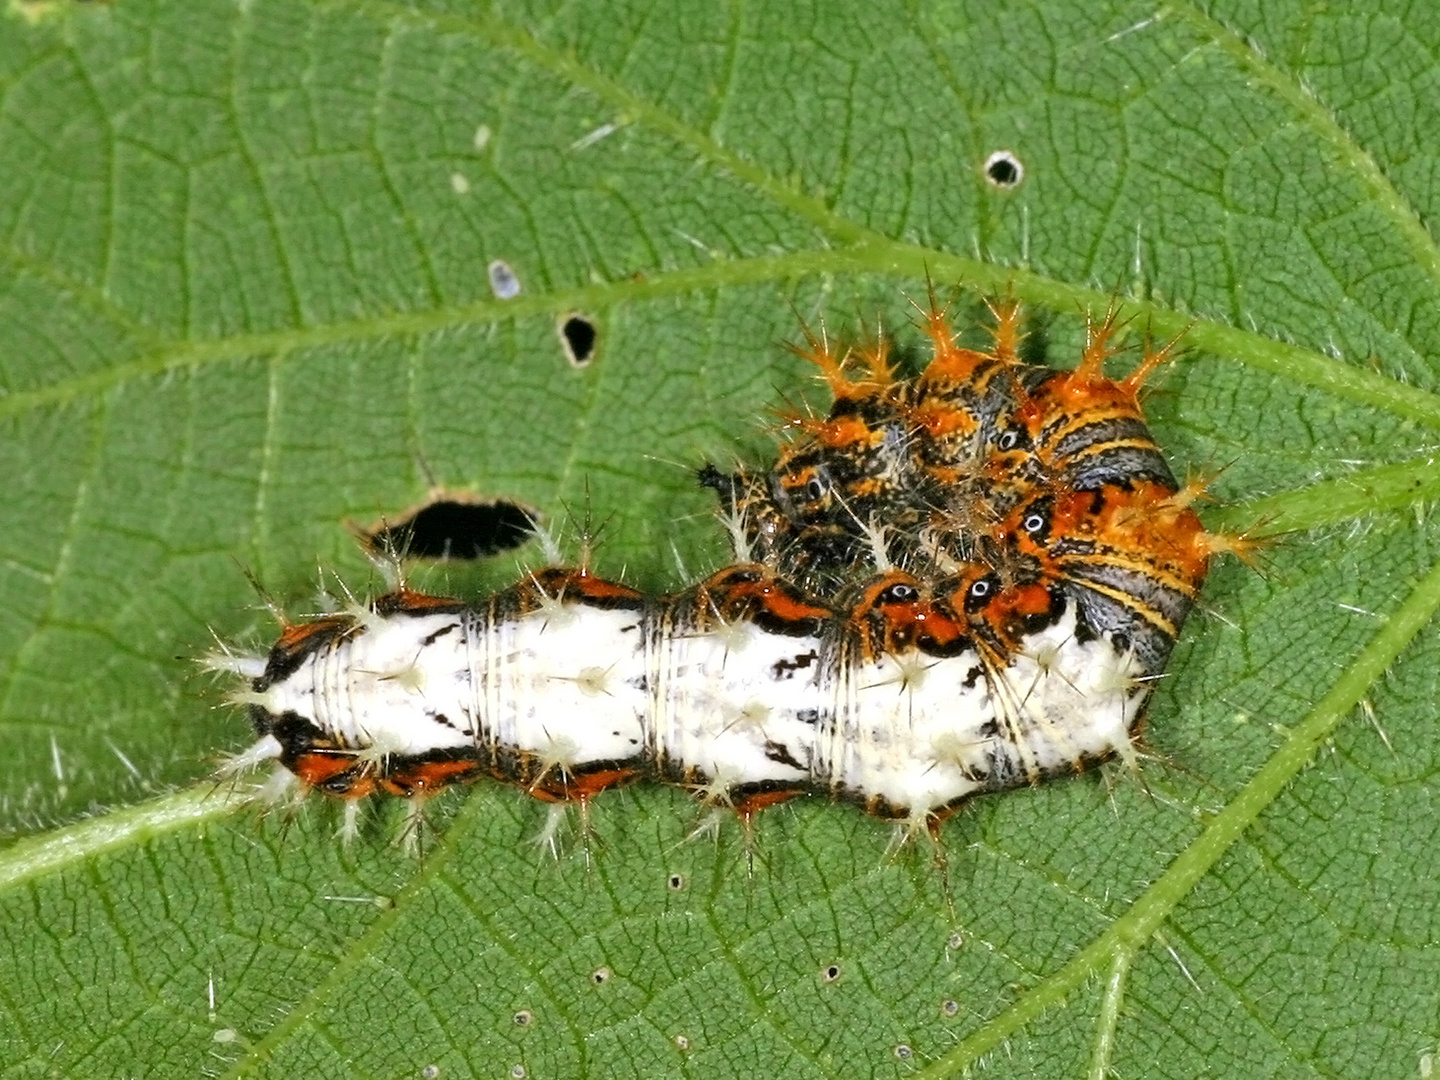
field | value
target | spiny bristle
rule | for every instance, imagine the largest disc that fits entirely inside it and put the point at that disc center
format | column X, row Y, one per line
column 818, row 351
column 1125, row 751
column 550, row 549
column 880, row 373
column 935, row 319
column 547, row 840
column 556, row 760
column 246, row 697
column 379, row 747
column 223, row 661
column 708, row 825
column 1196, row 489
column 280, row 788
column 412, row 830
column 738, row 529
column 361, row 614
column 387, row 563
column 1097, row 346
column 834, row 432
column 793, row 419
column 906, row 832
column 349, row 824
column 1133, row 382
column 943, row 348
column 875, row 533
column 1244, row 547
column 1006, row 332
column 268, row 748
column 716, row 792
column 276, row 611
column 549, row 608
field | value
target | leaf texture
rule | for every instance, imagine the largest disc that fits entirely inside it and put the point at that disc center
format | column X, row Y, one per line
column 244, row 304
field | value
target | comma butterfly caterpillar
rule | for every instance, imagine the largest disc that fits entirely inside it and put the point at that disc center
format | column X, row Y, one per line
column 950, row 584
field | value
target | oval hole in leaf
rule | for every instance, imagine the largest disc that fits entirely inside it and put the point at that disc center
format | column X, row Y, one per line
column 450, row 527
column 579, row 335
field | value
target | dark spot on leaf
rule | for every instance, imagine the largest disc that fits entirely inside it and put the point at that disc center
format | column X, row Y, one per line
column 579, row 336
column 455, row 528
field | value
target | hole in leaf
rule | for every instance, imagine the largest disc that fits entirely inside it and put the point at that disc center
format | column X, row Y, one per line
column 579, row 336
column 1003, row 169
column 451, row 527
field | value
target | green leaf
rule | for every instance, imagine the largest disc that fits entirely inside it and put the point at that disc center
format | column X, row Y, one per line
column 244, row 303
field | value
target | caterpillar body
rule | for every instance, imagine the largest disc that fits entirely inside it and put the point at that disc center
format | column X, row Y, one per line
column 742, row 688
column 949, row 585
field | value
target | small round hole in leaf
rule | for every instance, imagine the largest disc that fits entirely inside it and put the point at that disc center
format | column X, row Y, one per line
column 1003, row 170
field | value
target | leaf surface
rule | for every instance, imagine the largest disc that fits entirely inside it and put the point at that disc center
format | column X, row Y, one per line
column 244, row 303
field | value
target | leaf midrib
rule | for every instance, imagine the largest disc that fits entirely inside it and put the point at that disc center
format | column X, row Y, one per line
column 1303, row 366
column 865, row 250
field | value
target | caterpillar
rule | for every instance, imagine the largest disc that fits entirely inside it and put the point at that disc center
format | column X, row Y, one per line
column 951, row 584
column 742, row 688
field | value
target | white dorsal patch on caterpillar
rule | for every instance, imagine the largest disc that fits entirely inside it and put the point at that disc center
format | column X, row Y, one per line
column 790, row 698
